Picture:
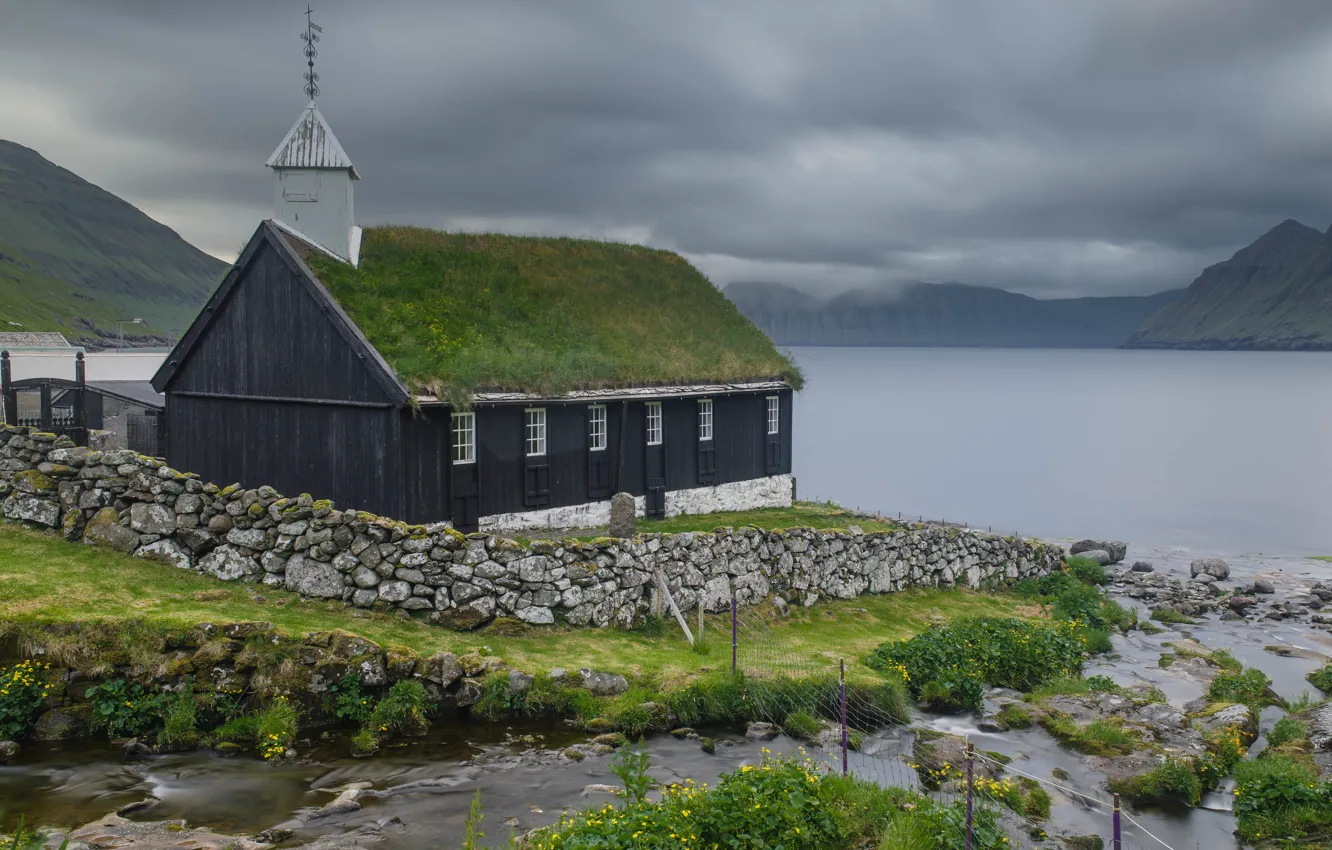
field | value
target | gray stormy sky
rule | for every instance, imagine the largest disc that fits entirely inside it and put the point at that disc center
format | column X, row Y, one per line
column 1047, row 146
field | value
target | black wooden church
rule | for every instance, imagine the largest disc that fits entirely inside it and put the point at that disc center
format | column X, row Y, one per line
column 405, row 372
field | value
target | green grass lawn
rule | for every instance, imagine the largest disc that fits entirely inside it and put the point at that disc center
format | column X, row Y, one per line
column 544, row 315
column 799, row 515
column 45, row 579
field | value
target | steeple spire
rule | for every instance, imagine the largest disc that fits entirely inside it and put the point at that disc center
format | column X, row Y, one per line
column 311, row 38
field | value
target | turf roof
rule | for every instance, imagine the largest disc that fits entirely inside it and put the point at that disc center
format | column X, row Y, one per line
column 454, row 313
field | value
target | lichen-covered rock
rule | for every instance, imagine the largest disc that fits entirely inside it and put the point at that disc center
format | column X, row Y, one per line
column 8, row 749
column 622, row 515
column 313, row 578
column 602, row 684
column 167, row 551
column 34, row 482
column 62, row 723
column 104, row 529
column 1214, row 567
column 32, row 509
column 229, row 563
column 473, row 615
column 442, row 668
column 152, row 518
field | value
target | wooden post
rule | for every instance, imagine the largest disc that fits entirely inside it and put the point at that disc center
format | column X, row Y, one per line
column 9, row 411
column 670, row 602
column 81, row 400
column 1116, row 824
column 46, row 407
column 971, row 791
column 842, row 662
column 734, row 630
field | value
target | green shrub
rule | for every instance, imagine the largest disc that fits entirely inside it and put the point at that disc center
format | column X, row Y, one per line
column 348, row 699
column 1171, row 781
column 1251, row 687
column 1056, row 583
column 23, row 687
column 1223, row 659
column 714, row 698
column 1082, row 604
column 1285, row 730
column 1280, row 796
column 943, row 826
column 1322, row 678
column 1116, row 615
column 1098, row 641
column 125, row 709
column 181, row 727
column 1028, row 588
column 275, row 728
column 949, row 666
column 1086, row 570
column 496, row 701
column 243, row 730
column 1225, row 749
column 631, row 766
column 403, row 710
column 777, row 804
column 861, row 806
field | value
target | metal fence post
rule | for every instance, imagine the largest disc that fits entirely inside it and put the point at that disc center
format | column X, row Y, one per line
column 971, row 757
column 842, row 662
column 734, row 631
column 1116, row 844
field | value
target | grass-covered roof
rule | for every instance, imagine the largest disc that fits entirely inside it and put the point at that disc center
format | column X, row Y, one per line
column 453, row 313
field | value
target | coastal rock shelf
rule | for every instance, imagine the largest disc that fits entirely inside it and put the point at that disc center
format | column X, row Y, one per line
column 140, row 506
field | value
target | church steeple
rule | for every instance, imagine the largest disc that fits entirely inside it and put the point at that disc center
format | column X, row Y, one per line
column 313, row 174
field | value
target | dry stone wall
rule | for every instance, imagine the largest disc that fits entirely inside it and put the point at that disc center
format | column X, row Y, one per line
column 140, row 506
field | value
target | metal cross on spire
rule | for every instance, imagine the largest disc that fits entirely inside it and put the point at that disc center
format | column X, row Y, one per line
column 311, row 38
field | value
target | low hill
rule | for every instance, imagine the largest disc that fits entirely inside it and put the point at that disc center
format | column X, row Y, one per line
column 1275, row 294
column 454, row 312
column 75, row 258
column 944, row 314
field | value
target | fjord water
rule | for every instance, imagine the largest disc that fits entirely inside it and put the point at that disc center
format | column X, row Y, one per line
column 1210, row 451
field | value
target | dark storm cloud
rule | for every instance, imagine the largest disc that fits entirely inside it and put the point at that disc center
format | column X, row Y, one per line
column 1051, row 147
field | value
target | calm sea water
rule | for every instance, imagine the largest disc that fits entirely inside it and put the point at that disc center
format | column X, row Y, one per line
column 1219, row 452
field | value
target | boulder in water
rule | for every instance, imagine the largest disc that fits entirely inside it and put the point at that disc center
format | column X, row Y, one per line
column 1214, row 567
column 1100, row 556
column 1116, row 549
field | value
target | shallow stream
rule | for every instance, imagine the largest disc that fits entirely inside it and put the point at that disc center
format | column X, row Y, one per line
column 422, row 788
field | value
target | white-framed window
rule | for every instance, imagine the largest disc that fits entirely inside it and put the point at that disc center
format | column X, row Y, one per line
column 596, row 427
column 704, row 419
column 774, row 415
column 654, row 423
column 464, row 438
column 536, row 431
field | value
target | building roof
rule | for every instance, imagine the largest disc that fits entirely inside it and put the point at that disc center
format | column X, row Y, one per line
column 458, row 317
column 32, row 339
column 311, row 144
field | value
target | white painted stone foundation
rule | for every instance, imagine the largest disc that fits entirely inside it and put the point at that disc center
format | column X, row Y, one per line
column 775, row 491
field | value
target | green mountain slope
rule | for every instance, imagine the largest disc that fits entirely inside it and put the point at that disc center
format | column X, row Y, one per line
column 1275, row 294
column 945, row 314
column 75, row 258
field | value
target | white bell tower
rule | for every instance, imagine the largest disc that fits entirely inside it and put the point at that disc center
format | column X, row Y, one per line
column 313, row 176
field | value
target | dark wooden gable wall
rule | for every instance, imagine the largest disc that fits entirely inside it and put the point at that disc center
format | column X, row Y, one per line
column 271, row 392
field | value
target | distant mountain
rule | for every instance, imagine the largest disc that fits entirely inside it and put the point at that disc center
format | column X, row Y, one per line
column 943, row 314
column 1276, row 294
column 75, row 258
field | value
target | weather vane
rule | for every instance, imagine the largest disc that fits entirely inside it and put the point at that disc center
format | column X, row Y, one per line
column 311, row 38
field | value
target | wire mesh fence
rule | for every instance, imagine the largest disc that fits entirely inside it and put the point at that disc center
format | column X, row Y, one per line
column 863, row 730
